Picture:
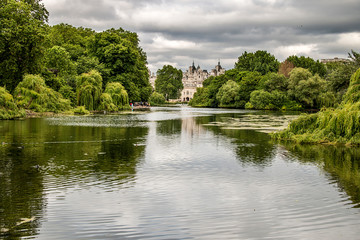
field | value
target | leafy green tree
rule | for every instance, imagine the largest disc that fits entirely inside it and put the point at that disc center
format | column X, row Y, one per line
column 260, row 61
column 201, row 98
column 260, row 99
column 157, row 98
column 68, row 93
column 57, row 61
column 89, row 89
column 273, row 81
column 338, row 78
column 248, row 84
column 228, row 94
column 169, row 82
column 39, row 11
column 32, row 93
column 118, row 94
column 355, row 57
column 22, row 36
column 315, row 67
column 306, row 88
column 124, row 60
column 106, row 103
column 8, row 107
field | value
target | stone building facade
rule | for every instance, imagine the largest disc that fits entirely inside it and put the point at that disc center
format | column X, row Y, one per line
column 194, row 77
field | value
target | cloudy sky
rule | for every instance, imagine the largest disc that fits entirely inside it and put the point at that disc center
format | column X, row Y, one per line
column 177, row 32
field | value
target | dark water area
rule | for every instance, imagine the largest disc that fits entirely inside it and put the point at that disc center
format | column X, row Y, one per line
column 173, row 173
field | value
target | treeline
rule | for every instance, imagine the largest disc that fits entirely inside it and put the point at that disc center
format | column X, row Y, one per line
column 260, row 81
column 58, row 68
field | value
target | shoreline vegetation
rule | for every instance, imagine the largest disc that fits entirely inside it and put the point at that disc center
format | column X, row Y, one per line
column 330, row 126
column 74, row 70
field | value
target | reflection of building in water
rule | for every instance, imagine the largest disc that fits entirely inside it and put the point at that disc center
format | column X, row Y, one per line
column 192, row 79
column 191, row 128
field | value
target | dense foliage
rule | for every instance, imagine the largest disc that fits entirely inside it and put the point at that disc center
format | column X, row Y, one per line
column 169, row 82
column 99, row 70
column 157, row 99
column 340, row 125
column 32, row 93
column 259, row 82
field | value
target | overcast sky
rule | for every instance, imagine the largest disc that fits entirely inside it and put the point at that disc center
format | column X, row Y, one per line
column 177, row 32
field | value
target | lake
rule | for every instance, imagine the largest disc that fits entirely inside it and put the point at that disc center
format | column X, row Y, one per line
column 173, row 173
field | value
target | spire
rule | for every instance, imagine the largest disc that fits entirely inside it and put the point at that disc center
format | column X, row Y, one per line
column 193, row 64
column 219, row 62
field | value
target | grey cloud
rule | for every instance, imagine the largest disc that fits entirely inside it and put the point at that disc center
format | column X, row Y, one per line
column 208, row 30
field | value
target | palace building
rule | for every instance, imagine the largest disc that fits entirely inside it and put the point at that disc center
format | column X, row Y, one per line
column 194, row 77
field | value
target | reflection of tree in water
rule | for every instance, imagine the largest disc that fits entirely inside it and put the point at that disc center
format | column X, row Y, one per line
column 169, row 127
column 36, row 157
column 342, row 163
column 251, row 147
column 21, row 196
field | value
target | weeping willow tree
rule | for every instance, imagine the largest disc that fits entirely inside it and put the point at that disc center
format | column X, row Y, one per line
column 118, row 94
column 340, row 125
column 32, row 93
column 8, row 107
column 89, row 89
column 107, row 103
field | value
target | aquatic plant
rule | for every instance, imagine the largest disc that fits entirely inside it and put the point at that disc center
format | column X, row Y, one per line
column 8, row 107
column 340, row 125
column 32, row 93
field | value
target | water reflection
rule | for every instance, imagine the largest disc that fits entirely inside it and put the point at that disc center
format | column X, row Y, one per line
column 171, row 173
column 37, row 158
column 341, row 163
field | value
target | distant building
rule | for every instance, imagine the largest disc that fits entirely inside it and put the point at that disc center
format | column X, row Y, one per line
column 193, row 78
column 344, row 60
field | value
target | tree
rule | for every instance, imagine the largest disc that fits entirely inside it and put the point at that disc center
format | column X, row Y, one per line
column 228, row 94
column 315, row 67
column 157, row 98
column 8, row 107
column 274, row 81
column 57, row 61
column 124, row 60
column 260, row 61
column 32, row 93
column 169, row 82
column 22, row 36
column 89, row 89
column 306, row 88
column 355, row 56
column 118, row 94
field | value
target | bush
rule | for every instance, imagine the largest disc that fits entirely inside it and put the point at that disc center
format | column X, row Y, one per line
column 156, row 98
column 8, row 107
column 32, row 93
column 81, row 110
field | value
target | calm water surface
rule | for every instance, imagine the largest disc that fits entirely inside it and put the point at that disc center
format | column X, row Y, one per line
column 173, row 173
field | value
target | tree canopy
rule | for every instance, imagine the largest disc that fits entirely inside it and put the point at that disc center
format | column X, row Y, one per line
column 260, row 61
column 169, row 82
column 22, row 38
